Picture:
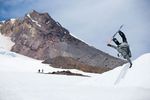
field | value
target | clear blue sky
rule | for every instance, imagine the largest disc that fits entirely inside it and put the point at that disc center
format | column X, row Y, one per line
column 92, row 21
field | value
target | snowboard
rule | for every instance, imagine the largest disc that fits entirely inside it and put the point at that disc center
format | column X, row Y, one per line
column 115, row 34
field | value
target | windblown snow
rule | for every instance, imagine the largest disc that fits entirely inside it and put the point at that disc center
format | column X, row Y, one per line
column 20, row 80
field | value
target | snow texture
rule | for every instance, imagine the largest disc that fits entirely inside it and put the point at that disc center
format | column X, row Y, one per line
column 12, row 20
column 20, row 80
column 5, row 42
column 122, row 73
column 3, row 21
column 34, row 20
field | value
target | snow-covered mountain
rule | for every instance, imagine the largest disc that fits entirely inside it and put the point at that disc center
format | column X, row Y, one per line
column 20, row 80
column 39, row 36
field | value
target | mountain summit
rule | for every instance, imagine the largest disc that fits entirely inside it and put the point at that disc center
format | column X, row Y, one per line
column 39, row 36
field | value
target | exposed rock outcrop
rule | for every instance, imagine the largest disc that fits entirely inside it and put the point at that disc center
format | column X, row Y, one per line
column 71, row 63
column 67, row 73
column 38, row 36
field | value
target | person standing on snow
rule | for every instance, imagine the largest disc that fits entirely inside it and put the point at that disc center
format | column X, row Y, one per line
column 122, row 48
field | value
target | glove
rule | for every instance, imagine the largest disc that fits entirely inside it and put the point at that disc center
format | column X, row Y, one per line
column 108, row 44
column 118, row 55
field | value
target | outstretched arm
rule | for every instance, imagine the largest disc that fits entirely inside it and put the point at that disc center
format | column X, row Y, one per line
column 110, row 45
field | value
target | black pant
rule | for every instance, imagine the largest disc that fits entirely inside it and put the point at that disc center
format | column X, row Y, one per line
column 122, row 36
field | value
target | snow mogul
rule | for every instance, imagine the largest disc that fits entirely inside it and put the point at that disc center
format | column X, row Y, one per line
column 122, row 48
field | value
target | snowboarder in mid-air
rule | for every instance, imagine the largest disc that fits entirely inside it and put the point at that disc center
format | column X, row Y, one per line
column 122, row 48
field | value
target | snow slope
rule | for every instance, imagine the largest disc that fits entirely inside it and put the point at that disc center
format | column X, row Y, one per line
column 5, row 42
column 137, row 76
column 19, row 80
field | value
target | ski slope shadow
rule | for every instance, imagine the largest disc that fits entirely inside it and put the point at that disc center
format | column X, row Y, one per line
column 122, row 74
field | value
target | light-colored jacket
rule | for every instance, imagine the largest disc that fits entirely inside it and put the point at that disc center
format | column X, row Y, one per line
column 123, row 49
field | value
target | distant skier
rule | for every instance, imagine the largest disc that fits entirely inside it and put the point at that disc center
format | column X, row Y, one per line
column 122, row 48
column 42, row 70
column 39, row 71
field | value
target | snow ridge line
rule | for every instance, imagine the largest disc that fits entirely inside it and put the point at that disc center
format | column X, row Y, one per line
column 34, row 20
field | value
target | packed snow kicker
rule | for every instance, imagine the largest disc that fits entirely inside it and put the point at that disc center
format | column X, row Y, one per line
column 20, row 80
column 122, row 74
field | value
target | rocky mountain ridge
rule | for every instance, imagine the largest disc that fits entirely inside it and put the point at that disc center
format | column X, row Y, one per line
column 39, row 36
